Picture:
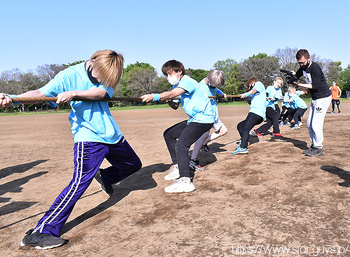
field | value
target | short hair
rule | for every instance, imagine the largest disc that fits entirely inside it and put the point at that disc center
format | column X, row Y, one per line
column 216, row 78
column 109, row 66
column 292, row 88
column 251, row 81
column 173, row 65
column 301, row 53
column 278, row 78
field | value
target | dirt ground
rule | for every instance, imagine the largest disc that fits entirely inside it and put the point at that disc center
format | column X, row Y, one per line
column 273, row 199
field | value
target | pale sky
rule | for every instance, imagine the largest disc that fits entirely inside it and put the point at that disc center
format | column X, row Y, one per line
column 198, row 33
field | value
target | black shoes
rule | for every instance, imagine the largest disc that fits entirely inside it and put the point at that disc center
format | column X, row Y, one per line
column 314, row 151
column 42, row 240
column 108, row 189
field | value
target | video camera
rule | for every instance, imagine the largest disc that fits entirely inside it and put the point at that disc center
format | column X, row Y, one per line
column 290, row 77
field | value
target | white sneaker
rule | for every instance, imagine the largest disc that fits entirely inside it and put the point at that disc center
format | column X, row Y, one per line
column 180, row 185
column 173, row 174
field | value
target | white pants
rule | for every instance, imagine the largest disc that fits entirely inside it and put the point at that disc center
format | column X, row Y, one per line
column 315, row 120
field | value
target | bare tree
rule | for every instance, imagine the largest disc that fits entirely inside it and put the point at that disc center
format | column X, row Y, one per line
column 287, row 59
column 47, row 72
column 261, row 66
column 141, row 81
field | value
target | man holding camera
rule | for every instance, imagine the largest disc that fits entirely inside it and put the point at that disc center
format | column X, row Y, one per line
column 321, row 99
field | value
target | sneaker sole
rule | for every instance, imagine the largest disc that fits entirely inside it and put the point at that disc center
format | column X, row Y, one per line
column 182, row 191
column 314, row 155
column 38, row 247
column 239, row 153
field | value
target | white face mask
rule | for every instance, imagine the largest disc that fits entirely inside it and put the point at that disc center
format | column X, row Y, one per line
column 173, row 80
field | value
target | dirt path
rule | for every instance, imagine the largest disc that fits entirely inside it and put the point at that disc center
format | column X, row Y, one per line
column 272, row 197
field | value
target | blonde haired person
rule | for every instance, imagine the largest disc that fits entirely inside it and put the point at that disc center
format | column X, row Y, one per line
column 96, row 137
column 274, row 94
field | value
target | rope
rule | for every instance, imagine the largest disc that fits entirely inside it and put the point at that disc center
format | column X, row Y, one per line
column 119, row 99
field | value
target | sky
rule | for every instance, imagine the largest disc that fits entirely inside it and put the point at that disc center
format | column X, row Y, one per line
column 197, row 33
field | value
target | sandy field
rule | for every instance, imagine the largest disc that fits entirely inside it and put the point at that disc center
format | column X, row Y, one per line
column 273, row 199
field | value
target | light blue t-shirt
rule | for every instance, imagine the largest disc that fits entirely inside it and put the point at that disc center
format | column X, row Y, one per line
column 274, row 93
column 211, row 91
column 298, row 102
column 258, row 100
column 285, row 99
column 91, row 121
column 195, row 101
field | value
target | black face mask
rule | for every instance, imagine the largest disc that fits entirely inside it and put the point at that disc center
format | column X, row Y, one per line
column 210, row 85
column 304, row 67
column 92, row 78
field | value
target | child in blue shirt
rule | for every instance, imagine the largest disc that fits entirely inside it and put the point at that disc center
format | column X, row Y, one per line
column 298, row 105
column 274, row 94
column 256, row 113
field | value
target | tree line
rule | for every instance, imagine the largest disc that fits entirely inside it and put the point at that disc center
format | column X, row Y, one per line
column 142, row 78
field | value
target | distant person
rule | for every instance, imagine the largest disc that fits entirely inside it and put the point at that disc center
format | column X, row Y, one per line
column 321, row 99
column 256, row 115
column 182, row 135
column 336, row 93
column 210, row 85
column 96, row 137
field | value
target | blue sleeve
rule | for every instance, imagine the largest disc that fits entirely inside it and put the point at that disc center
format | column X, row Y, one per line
column 187, row 85
column 259, row 87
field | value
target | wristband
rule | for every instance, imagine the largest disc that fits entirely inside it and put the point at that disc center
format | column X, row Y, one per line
column 247, row 94
column 156, row 97
column 14, row 96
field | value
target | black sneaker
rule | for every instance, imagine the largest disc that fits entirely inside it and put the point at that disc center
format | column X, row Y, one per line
column 42, row 240
column 205, row 148
column 315, row 152
column 309, row 149
column 108, row 189
column 194, row 164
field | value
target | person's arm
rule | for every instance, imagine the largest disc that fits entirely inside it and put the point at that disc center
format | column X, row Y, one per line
column 339, row 91
column 309, row 86
column 298, row 74
column 163, row 96
column 5, row 100
column 250, row 93
column 89, row 94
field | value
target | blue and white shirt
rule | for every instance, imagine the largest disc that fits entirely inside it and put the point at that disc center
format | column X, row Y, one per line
column 91, row 121
column 275, row 94
column 298, row 102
